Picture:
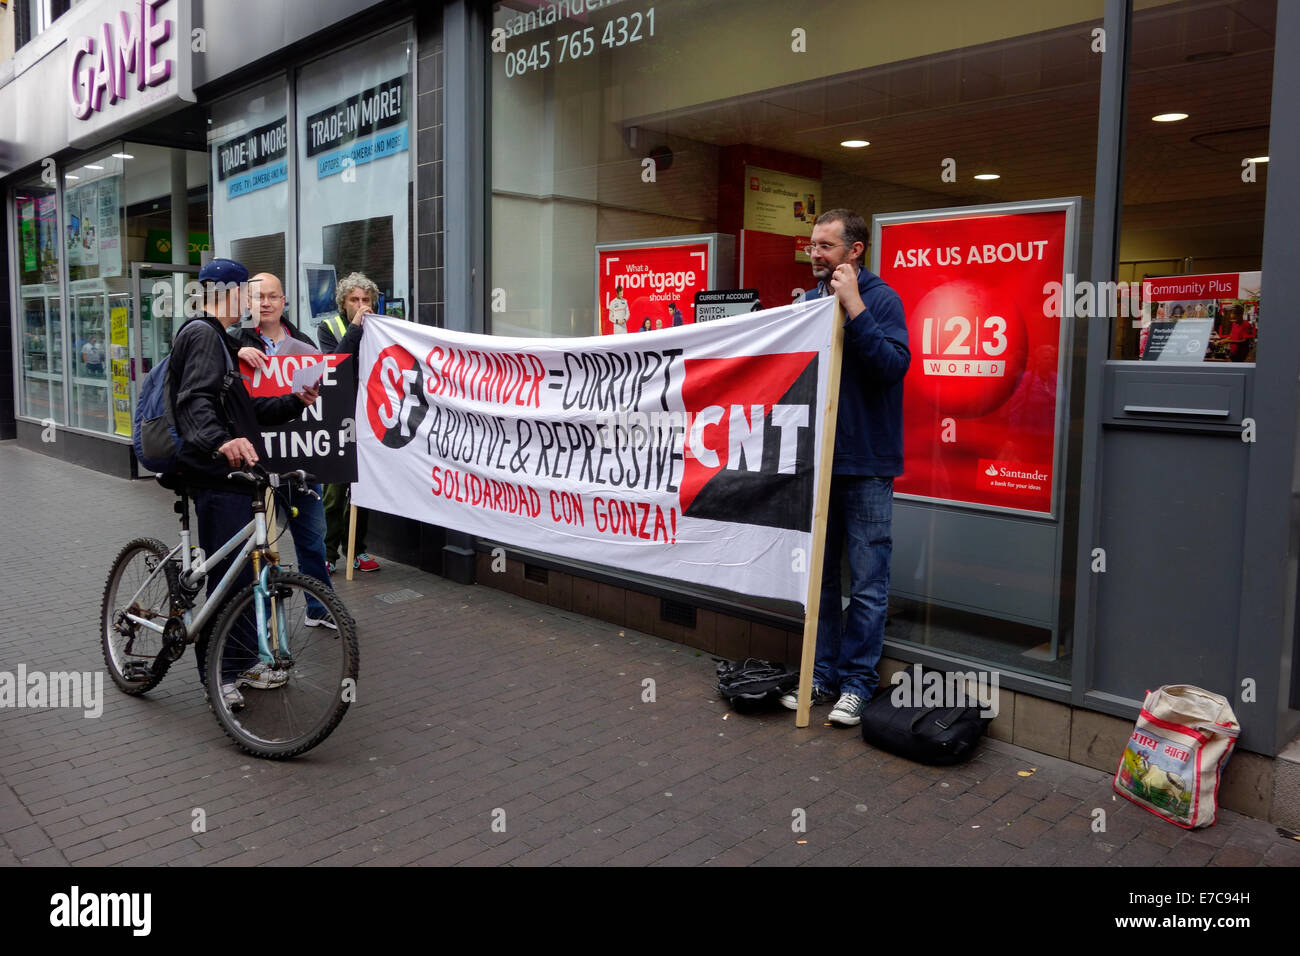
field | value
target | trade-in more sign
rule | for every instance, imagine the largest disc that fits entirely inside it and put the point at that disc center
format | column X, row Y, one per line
column 688, row 454
column 364, row 127
column 255, row 159
column 320, row 441
column 980, row 399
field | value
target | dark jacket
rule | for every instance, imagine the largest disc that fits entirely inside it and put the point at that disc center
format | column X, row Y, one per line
column 205, row 418
column 869, row 427
column 330, row 343
column 252, row 338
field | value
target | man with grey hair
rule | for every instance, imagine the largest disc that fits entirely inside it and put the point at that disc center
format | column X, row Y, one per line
column 355, row 296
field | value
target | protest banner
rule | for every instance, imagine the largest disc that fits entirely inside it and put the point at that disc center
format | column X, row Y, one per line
column 690, row 454
column 320, row 441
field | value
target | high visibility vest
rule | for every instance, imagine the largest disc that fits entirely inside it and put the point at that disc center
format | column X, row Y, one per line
column 335, row 324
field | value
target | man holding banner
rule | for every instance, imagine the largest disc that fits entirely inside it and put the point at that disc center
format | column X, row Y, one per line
column 868, row 456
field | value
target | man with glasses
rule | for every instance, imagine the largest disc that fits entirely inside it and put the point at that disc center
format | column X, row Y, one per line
column 265, row 338
column 268, row 337
column 868, row 455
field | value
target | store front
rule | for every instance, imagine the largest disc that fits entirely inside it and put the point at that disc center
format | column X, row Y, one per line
column 173, row 140
column 573, row 168
column 621, row 136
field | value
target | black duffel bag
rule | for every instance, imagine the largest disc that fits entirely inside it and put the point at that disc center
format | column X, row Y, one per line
column 933, row 735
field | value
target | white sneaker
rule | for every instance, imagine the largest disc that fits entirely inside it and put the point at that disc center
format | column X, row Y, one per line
column 820, row 696
column 847, row 712
column 262, row 677
column 310, row 621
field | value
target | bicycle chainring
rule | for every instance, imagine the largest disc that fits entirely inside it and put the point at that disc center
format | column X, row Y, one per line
column 173, row 639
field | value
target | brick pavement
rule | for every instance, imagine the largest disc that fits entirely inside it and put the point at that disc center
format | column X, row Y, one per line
column 475, row 706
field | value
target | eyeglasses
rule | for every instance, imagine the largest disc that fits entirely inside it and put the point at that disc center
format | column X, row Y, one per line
column 268, row 296
column 822, row 247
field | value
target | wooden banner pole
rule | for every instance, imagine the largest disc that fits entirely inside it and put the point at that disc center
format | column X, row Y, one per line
column 352, row 536
column 825, row 464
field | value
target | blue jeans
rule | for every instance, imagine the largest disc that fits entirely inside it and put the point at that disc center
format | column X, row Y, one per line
column 221, row 515
column 308, row 531
column 861, row 511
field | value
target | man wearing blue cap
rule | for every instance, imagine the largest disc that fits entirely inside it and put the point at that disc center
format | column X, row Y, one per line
column 218, row 423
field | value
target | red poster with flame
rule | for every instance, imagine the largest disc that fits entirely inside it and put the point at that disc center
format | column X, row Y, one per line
column 980, row 399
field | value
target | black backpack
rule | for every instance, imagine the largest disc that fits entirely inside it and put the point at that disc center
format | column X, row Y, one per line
column 153, row 432
column 750, row 683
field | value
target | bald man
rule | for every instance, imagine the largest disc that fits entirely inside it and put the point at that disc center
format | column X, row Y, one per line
column 266, row 296
column 267, row 302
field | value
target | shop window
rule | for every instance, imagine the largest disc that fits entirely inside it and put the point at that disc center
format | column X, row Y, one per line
column 40, row 325
column 98, row 294
column 117, row 211
column 153, row 184
column 354, row 130
column 248, row 144
column 632, row 127
column 1195, row 176
column 34, row 17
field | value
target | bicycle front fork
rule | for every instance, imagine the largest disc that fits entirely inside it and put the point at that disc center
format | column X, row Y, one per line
column 270, row 615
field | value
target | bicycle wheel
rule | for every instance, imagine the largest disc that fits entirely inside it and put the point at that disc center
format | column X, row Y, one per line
column 321, row 663
column 129, row 648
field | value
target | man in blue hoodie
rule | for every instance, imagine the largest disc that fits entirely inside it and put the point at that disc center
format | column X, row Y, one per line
column 868, row 456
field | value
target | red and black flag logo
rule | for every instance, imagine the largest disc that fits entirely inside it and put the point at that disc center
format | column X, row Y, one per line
column 752, row 439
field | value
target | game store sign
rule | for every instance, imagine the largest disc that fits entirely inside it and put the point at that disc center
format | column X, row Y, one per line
column 128, row 62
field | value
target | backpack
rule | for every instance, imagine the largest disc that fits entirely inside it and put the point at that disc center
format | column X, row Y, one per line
column 153, row 432
column 750, row 683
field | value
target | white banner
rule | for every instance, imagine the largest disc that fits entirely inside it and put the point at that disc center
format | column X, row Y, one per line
column 687, row 453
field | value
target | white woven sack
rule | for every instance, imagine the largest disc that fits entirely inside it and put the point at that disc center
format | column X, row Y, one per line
column 1176, row 754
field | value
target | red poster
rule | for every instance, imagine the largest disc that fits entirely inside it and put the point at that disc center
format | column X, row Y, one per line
column 652, row 287
column 980, row 398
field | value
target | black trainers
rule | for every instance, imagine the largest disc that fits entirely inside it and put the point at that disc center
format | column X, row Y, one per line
column 820, row 695
column 847, row 711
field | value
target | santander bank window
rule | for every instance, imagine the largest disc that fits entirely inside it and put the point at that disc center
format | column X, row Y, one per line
column 663, row 163
column 1195, row 176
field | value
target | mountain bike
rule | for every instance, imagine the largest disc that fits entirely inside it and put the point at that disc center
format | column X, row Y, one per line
column 292, row 629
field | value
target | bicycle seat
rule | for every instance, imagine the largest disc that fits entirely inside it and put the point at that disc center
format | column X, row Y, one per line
column 174, row 482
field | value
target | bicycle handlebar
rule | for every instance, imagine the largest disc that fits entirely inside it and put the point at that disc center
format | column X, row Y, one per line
column 259, row 478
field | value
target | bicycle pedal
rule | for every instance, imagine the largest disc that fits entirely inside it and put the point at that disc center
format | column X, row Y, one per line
column 137, row 671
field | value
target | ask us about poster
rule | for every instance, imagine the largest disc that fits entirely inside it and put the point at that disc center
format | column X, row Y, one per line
column 687, row 453
column 981, row 399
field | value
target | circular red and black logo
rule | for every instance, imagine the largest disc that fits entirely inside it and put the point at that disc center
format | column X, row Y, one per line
column 395, row 402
